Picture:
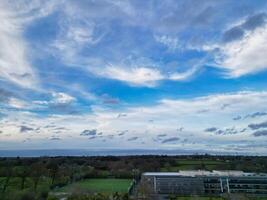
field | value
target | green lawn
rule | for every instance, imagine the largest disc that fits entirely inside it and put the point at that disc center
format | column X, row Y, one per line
column 98, row 185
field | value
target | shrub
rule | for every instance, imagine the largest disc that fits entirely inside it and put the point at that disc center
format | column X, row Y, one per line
column 27, row 196
column 43, row 195
column 52, row 198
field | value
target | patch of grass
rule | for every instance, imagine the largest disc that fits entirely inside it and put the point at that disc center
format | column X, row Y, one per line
column 98, row 185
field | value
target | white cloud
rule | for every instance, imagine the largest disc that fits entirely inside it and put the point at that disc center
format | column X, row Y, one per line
column 141, row 76
column 187, row 74
column 167, row 116
column 17, row 103
column 172, row 43
column 183, row 75
column 244, row 56
column 62, row 98
column 138, row 76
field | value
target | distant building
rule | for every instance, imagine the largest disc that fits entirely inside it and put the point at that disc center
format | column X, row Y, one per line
column 206, row 182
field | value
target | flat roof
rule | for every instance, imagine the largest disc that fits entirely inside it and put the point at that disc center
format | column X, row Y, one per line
column 195, row 173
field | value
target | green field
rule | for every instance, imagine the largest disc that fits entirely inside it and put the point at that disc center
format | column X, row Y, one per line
column 98, row 185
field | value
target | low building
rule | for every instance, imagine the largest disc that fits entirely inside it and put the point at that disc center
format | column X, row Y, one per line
column 206, row 182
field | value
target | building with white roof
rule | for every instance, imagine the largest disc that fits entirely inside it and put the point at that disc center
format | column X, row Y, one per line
column 206, row 182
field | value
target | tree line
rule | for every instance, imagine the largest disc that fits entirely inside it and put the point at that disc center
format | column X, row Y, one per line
column 61, row 171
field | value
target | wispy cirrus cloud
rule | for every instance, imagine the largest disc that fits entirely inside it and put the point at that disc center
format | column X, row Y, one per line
column 14, row 64
column 139, row 76
column 15, row 58
column 143, row 76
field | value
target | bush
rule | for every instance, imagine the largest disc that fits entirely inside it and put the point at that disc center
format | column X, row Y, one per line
column 27, row 196
column 99, row 196
column 52, row 198
column 43, row 195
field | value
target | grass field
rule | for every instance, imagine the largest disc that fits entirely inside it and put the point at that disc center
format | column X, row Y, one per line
column 98, row 185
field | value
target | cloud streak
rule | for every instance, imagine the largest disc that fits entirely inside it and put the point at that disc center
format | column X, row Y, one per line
column 15, row 63
column 258, row 126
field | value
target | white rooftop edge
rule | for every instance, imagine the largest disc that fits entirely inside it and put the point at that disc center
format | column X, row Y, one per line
column 194, row 173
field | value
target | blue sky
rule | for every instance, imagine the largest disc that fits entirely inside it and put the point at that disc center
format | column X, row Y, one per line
column 189, row 75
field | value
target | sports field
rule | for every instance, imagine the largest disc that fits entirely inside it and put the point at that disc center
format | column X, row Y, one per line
column 99, row 185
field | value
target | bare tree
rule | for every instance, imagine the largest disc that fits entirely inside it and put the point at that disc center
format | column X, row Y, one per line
column 8, row 174
column 53, row 168
column 146, row 191
column 22, row 172
column 37, row 172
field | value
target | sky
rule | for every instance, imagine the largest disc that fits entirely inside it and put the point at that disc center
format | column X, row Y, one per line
column 119, row 74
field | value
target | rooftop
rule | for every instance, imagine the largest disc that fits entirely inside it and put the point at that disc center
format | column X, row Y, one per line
column 195, row 173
